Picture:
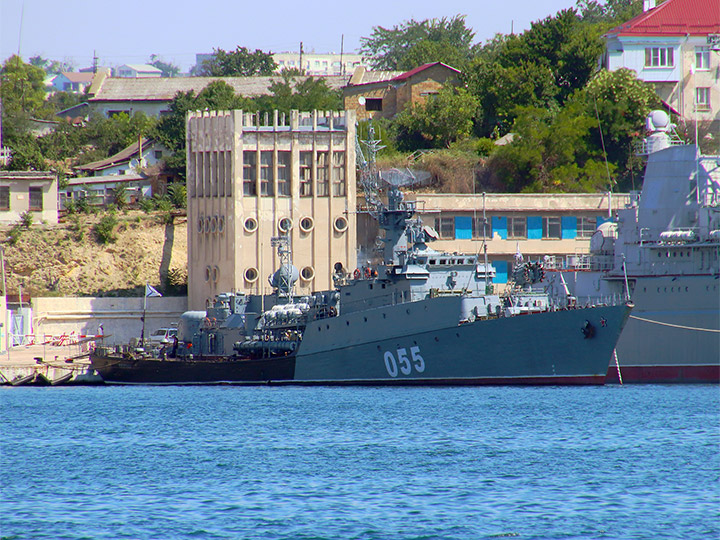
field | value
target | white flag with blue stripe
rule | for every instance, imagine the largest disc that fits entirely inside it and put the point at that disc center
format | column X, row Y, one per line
column 151, row 291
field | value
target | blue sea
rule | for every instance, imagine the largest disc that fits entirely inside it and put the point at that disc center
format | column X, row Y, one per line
column 225, row 462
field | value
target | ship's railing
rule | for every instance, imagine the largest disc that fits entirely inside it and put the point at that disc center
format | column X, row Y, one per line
column 646, row 147
column 578, row 261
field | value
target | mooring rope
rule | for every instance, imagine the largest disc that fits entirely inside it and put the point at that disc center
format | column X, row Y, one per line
column 676, row 325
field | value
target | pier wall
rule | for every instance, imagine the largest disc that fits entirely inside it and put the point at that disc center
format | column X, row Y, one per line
column 121, row 317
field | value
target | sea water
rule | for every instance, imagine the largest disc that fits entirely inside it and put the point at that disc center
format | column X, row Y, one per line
column 367, row 463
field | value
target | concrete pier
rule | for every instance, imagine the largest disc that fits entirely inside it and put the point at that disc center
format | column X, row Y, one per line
column 47, row 365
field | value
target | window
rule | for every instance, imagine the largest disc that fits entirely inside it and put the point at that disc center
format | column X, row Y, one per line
column 478, row 227
column 306, row 179
column 4, row 197
column 338, row 174
column 702, row 98
column 445, row 226
column 659, row 57
column 702, row 58
column 36, row 199
column 249, row 174
column 517, row 227
column 586, row 227
column 158, row 154
column 373, row 104
column 283, row 174
column 322, row 174
column 551, row 227
column 266, row 174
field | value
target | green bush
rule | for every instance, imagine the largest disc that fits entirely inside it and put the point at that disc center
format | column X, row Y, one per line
column 26, row 219
column 14, row 235
column 147, row 205
column 105, row 229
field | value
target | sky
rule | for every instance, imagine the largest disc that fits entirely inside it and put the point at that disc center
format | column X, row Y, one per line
column 175, row 30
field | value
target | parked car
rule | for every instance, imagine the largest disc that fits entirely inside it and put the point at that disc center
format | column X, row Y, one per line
column 162, row 336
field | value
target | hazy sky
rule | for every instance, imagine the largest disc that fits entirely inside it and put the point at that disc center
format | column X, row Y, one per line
column 131, row 30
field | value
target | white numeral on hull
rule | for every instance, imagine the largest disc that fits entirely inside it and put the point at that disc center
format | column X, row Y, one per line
column 403, row 364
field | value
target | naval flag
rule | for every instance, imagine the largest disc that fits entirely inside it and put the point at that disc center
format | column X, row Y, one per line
column 150, row 291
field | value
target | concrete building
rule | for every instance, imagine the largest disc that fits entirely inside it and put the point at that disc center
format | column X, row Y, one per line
column 675, row 46
column 251, row 179
column 556, row 225
column 35, row 192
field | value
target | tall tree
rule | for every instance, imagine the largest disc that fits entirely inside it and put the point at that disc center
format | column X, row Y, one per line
column 389, row 48
column 238, row 63
column 299, row 93
column 168, row 69
column 170, row 130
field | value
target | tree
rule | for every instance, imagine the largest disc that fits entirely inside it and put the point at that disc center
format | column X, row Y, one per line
column 551, row 153
column 170, row 130
column 388, row 48
column 22, row 87
column 299, row 93
column 168, row 69
column 51, row 66
column 620, row 102
column 238, row 63
column 542, row 67
column 442, row 119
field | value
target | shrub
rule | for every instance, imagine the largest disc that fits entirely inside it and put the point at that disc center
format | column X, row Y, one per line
column 105, row 229
column 147, row 205
column 26, row 219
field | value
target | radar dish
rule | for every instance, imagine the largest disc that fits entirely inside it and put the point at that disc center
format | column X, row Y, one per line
column 396, row 177
column 658, row 121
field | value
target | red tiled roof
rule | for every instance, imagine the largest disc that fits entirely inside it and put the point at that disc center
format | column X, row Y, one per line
column 76, row 77
column 418, row 69
column 674, row 18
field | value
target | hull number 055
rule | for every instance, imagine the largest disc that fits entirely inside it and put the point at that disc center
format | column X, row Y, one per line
column 404, row 363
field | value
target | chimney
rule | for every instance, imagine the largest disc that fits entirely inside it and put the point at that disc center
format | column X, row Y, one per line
column 648, row 5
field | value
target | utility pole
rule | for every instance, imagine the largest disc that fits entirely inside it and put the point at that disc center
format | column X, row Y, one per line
column 342, row 44
column 301, row 54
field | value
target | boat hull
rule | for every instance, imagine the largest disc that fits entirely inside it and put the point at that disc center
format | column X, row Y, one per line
column 673, row 333
column 537, row 349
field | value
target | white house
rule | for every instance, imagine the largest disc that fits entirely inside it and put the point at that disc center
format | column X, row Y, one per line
column 675, row 46
column 138, row 71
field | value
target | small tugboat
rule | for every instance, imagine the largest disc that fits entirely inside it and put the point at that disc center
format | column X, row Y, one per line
column 419, row 317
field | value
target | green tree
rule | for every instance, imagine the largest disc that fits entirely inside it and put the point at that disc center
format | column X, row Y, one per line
column 542, row 67
column 442, row 119
column 170, row 129
column 168, row 69
column 388, row 48
column 299, row 93
column 620, row 102
column 51, row 66
column 550, row 153
column 238, row 63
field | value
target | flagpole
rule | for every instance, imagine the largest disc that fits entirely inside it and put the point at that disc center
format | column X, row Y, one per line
column 142, row 335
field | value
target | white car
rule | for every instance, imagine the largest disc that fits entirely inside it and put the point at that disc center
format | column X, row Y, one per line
column 162, row 336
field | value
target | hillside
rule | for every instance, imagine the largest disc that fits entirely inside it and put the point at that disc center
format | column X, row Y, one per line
column 68, row 260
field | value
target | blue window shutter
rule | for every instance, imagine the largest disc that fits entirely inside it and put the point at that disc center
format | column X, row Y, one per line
column 463, row 228
column 534, row 228
column 569, row 227
column 501, row 271
column 499, row 226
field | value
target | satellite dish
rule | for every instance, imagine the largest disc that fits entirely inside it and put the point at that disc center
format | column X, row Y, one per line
column 361, row 100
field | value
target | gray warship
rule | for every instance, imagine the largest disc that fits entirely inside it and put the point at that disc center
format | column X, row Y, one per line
column 663, row 251
column 417, row 317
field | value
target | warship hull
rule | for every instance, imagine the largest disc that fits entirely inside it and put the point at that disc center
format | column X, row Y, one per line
column 408, row 344
column 673, row 333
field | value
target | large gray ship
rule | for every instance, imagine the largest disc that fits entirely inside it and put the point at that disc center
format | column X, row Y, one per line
column 418, row 316
column 663, row 251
